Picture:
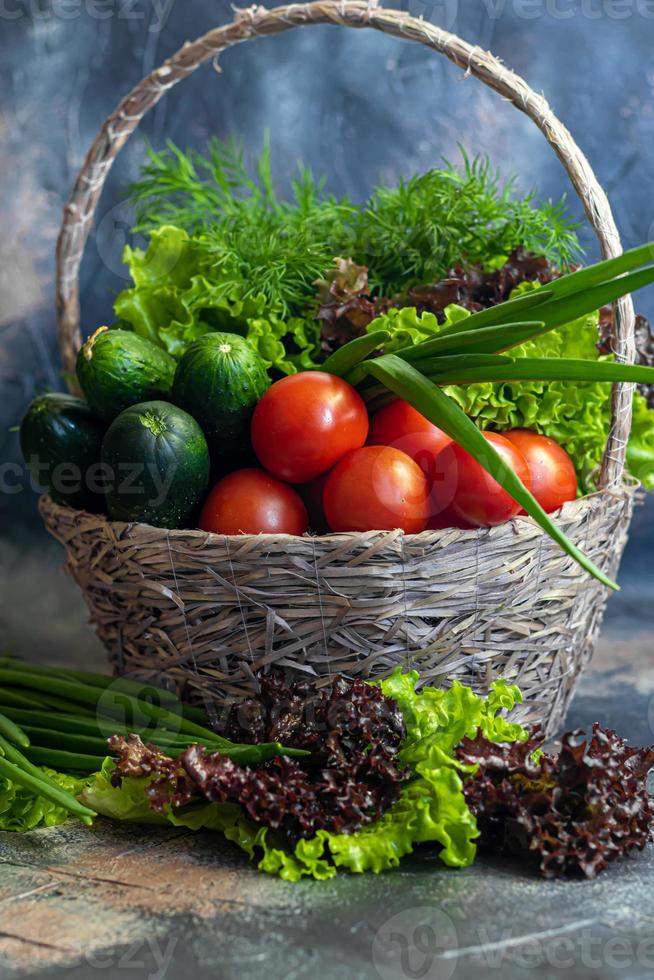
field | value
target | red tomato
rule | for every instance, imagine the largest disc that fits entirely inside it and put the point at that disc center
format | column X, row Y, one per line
column 305, row 423
column 553, row 477
column 479, row 499
column 253, row 502
column 400, row 425
column 376, row 488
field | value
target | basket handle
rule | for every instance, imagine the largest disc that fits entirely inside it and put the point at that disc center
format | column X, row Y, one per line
column 247, row 24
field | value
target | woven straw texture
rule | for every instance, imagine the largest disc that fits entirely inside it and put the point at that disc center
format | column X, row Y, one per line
column 206, row 612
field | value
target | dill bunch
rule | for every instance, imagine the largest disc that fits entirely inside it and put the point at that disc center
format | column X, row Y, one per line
column 407, row 235
column 416, row 232
column 256, row 241
column 259, row 259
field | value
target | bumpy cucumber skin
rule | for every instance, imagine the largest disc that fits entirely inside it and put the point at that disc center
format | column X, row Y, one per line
column 220, row 389
column 60, row 430
column 159, row 461
column 117, row 368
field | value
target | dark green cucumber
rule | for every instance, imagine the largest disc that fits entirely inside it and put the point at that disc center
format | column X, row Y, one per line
column 60, row 438
column 219, row 380
column 116, row 369
column 158, row 459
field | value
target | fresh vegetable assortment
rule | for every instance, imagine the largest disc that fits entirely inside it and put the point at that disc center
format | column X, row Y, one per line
column 308, row 783
column 273, row 354
column 426, row 360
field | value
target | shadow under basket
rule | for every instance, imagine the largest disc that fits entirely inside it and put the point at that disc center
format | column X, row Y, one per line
column 204, row 612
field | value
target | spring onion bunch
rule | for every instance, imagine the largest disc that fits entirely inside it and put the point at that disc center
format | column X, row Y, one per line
column 60, row 719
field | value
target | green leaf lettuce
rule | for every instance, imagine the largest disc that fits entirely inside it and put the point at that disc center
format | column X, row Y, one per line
column 22, row 810
column 182, row 290
column 431, row 807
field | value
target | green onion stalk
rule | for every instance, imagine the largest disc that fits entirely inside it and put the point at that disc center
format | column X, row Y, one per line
column 474, row 350
column 61, row 719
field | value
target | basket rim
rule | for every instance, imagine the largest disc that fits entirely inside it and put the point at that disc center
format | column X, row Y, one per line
column 569, row 511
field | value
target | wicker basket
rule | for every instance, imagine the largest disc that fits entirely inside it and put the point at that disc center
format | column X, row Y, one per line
column 206, row 612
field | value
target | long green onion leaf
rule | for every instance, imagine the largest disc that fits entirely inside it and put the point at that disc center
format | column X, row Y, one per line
column 603, row 270
column 430, row 401
column 347, row 357
column 537, row 369
column 12, row 698
column 446, row 363
column 483, row 340
column 83, row 725
column 62, row 760
column 11, row 731
column 570, row 306
column 51, row 738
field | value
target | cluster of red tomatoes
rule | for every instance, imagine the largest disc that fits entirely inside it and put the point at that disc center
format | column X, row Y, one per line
column 355, row 473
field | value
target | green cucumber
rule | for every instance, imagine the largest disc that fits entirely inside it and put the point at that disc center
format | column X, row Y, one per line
column 159, row 464
column 219, row 380
column 117, row 368
column 60, row 438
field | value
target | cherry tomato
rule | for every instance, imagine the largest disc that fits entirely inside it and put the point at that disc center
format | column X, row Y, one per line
column 376, row 488
column 305, row 423
column 479, row 499
column 553, row 477
column 252, row 501
column 400, row 425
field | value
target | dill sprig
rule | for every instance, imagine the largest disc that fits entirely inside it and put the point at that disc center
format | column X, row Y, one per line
column 254, row 260
column 255, row 240
column 410, row 234
column 195, row 192
column 415, row 232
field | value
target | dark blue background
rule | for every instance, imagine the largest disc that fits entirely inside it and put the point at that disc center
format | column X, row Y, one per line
column 355, row 105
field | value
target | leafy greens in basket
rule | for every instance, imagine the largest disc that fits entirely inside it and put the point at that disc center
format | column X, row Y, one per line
column 247, row 268
column 244, row 260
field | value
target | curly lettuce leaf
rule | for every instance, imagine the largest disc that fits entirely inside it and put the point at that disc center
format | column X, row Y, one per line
column 576, row 415
column 22, row 810
column 640, row 448
column 180, row 293
column 431, row 807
